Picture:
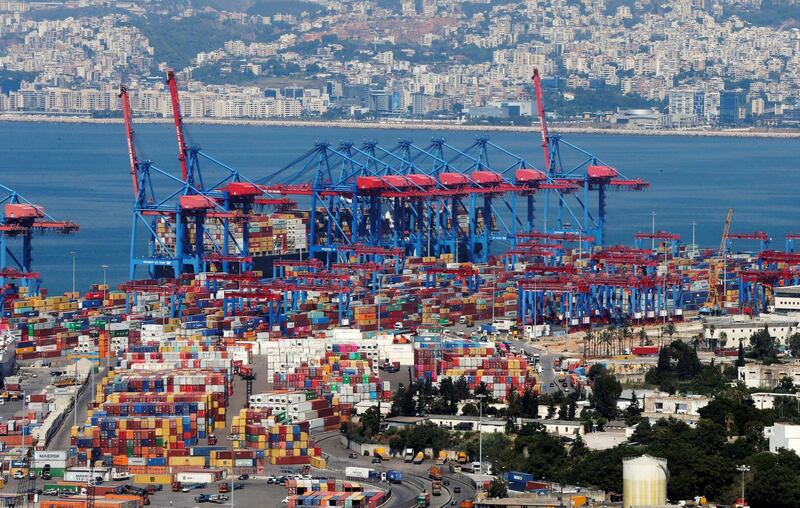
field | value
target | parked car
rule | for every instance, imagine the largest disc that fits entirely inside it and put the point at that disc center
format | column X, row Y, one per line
column 202, row 498
column 19, row 475
column 244, row 476
column 376, row 460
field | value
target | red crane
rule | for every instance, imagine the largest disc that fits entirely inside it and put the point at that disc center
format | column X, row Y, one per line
column 537, row 84
column 127, row 114
column 178, row 120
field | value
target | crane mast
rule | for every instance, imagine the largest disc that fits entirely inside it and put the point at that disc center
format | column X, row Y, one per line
column 537, row 84
column 178, row 120
column 127, row 115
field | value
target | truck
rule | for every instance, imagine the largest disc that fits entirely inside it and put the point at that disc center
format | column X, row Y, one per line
column 462, row 457
column 424, row 500
column 381, row 453
column 390, row 367
column 419, row 457
column 435, row 473
column 467, row 321
column 408, row 455
column 436, row 487
column 393, row 476
column 361, row 473
column 441, row 459
column 503, row 325
column 118, row 476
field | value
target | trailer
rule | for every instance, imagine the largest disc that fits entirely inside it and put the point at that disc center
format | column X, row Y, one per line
column 393, row 476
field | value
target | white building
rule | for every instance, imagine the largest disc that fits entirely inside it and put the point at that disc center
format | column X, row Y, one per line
column 755, row 375
column 783, row 435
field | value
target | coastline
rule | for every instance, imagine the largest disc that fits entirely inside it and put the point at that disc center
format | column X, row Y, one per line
column 410, row 125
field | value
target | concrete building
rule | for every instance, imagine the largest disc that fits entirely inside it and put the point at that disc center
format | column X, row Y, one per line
column 663, row 405
column 561, row 428
column 469, row 423
column 767, row 400
column 787, row 299
column 741, row 327
column 783, row 435
column 755, row 375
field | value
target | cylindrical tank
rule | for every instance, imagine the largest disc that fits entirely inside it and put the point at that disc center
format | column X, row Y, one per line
column 644, row 481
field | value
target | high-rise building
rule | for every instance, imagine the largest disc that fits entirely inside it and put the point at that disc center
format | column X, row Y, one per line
column 731, row 105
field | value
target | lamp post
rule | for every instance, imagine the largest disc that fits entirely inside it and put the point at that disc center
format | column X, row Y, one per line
column 480, row 431
column 73, row 254
column 105, row 283
column 743, row 469
column 653, row 239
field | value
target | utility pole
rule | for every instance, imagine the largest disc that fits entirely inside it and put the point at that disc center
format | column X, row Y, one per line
column 480, row 431
column 105, row 283
column 653, row 239
column 73, row 254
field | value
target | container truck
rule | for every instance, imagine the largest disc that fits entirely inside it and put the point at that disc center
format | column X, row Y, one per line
column 408, row 456
column 462, row 458
column 435, row 473
column 441, row 459
column 361, row 473
column 436, row 487
column 419, row 457
column 393, row 476
column 424, row 500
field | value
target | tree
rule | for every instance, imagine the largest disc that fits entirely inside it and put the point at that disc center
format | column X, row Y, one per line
column 370, row 422
column 740, row 357
column 723, row 339
column 605, row 392
column 794, row 344
column 498, row 489
column 763, row 345
column 470, row 409
column 633, row 410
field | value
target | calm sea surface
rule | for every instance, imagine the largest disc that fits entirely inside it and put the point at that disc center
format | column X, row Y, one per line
column 80, row 172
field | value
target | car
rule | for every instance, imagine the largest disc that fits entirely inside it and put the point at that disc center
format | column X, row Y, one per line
column 46, row 475
column 353, row 455
column 285, row 500
column 50, row 492
column 445, row 482
column 376, row 460
column 564, row 385
column 186, row 489
column 457, row 490
column 453, row 502
column 244, row 476
column 271, row 480
column 31, row 474
column 19, row 475
column 552, row 385
column 202, row 498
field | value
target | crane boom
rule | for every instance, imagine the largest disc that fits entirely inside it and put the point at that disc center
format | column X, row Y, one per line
column 726, row 231
column 537, row 85
column 127, row 116
column 176, row 116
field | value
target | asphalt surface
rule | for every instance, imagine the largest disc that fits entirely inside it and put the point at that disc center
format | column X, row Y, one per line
column 414, row 475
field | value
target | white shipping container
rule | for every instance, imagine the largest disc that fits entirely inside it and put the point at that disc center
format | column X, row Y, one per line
column 195, row 477
column 53, row 455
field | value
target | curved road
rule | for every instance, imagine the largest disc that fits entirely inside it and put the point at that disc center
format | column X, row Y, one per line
column 415, row 476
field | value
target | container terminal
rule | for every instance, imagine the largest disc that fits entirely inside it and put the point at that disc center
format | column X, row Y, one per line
column 252, row 328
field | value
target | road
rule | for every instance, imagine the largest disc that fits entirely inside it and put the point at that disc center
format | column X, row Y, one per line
column 415, row 475
column 61, row 439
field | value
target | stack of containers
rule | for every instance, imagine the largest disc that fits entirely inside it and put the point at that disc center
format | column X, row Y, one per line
column 289, row 444
column 300, row 487
column 500, row 375
column 346, row 499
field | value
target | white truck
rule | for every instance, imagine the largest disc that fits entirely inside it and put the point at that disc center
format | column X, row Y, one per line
column 359, row 473
column 503, row 325
column 408, row 456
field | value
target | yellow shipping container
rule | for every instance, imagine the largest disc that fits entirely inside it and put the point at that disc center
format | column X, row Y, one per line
column 157, row 479
column 187, row 461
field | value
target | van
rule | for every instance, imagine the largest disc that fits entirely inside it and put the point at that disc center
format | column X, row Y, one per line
column 476, row 467
column 398, row 326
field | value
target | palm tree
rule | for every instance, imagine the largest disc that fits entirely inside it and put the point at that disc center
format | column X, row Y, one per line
column 642, row 336
column 627, row 336
column 588, row 338
column 670, row 330
column 723, row 339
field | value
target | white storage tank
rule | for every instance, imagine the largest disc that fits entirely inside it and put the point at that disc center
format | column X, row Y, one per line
column 644, row 481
